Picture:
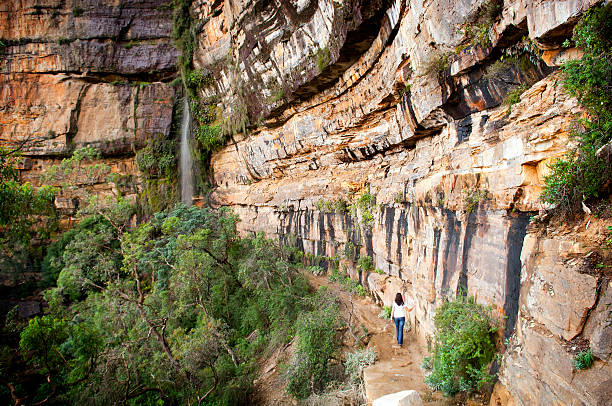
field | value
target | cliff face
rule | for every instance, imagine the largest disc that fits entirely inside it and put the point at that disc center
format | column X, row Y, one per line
column 397, row 101
column 87, row 73
column 374, row 128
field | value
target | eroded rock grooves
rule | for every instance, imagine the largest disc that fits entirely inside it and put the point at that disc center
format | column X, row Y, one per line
column 342, row 99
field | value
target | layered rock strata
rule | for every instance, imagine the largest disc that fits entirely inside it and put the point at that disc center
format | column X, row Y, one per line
column 85, row 73
column 409, row 112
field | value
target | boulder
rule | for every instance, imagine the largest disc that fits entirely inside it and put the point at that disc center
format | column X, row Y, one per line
column 403, row 398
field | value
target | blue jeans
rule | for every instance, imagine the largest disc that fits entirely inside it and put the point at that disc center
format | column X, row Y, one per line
column 399, row 327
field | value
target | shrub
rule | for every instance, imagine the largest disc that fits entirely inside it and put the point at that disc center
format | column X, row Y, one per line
column 514, row 96
column 385, row 313
column 317, row 344
column 436, row 65
column 473, row 198
column 350, row 250
column 581, row 174
column 197, row 78
column 583, row 360
column 463, row 347
column 316, row 270
column 157, row 158
column 77, row 11
column 365, row 264
column 364, row 207
column 356, row 361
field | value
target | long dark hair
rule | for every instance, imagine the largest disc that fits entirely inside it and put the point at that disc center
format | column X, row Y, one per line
column 398, row 299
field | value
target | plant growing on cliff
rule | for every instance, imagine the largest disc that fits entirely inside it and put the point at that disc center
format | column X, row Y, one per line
column 583, row 360
column 583, row 173
column 365, row 264
column 80, row 168
column 323, row 58
column 157, row 158
column 385, row 313
column 474, row 198
column 437, row 64
column 363, row 208
column 463, row 347
column 77, row 11
column 514, row 96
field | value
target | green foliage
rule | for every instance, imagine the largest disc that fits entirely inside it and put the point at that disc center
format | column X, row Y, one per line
column 356, row 361
column 348, row 284
column 183, row 36
column 437, row 64
column 323, row 58
column 316, row 270
column 473, row 198
column 208, row 132
column 505, row 62
column 463, row 347
column 351, row 251
column 581, row 174
column 180, row 304
column 158, row 195
column 476, row 29
column 385, row 313
column 78, row 170
column 77, row 11
column 26, row 213
column 157, row 158
column 583, row 360
column 363, row 209
column 365, row 264
column 197, row 78
column 514, row 96
column 316, row 345
column 332, row 206
column 608, row 242
column 491, row 10
column 131, row 44
column 477, row 34
column 324, row 206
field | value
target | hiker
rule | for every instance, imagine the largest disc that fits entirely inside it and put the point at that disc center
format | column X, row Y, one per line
column 398, row 314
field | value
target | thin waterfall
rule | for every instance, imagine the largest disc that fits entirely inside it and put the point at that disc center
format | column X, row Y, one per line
column 186, row 163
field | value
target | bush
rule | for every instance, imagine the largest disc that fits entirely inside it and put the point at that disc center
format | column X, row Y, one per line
column 581, row 174
column 157, row 158
column 356, row 361
column 317, row 343
column 583, row 360
column 436, row 65
column 514, row 96
column 365, row 264
column 385, row 313
column 463, row 347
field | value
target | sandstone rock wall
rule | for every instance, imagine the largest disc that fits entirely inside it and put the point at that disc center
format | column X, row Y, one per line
column 392, row 100
column 455, row 174
column 85, row 73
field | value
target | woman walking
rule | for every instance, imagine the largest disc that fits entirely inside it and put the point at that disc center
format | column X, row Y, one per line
column 398, row 314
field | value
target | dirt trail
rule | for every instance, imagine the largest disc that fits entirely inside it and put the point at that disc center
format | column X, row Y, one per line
column 396, row 369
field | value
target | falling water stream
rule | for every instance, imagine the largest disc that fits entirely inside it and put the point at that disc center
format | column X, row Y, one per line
column 186, row 163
